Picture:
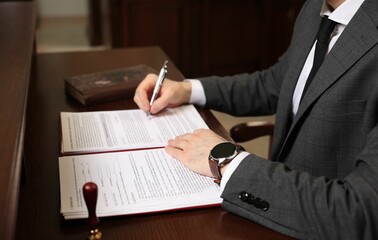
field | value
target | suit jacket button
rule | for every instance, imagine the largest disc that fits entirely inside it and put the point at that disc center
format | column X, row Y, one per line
column 244, row 196
column 251, row 199
column 257, row 202
column 264, row 205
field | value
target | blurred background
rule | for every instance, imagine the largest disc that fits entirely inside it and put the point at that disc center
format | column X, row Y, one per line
column 63, row 26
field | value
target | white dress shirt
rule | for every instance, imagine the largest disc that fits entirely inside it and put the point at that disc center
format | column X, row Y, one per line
column 342, row 16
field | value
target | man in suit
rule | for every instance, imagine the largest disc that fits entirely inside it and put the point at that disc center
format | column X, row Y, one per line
column 322, row 182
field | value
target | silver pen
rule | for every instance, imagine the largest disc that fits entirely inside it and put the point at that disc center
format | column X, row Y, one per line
column 158, row 85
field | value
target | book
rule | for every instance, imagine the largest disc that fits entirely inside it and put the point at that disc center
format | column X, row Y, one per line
column 106, row 86
column 123, row 153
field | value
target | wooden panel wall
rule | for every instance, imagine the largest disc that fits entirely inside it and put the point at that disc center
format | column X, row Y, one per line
column 206, row 37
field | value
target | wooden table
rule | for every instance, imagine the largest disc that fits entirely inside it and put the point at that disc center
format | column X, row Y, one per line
column 38, row 216
column 17, row 23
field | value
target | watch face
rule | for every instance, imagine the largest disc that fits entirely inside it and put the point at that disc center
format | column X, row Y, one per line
column 223, row 150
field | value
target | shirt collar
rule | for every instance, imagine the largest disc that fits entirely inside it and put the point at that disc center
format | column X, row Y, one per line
column 344, row 13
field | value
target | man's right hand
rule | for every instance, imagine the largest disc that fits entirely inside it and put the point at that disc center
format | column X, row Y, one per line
column 172, row 94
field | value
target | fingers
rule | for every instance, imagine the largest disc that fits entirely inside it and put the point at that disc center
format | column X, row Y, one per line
column 174, row 152
column 193, row 149
column 144, row 92
column 178, row 143
column 167, row 96
column 159, row 104
column 179, row 146
column 172, row 94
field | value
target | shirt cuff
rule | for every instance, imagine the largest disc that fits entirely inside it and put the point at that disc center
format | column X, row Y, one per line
column 197, row 96
column 231, row 167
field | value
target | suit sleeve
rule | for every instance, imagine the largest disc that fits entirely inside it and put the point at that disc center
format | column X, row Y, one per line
column 248, row 93
column 308, row 207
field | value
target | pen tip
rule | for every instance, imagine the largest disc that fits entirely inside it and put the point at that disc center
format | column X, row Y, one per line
column 148, row 113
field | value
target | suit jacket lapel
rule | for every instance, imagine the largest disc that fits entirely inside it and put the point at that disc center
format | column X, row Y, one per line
column 358, row 37
column 356, row 40
column 307, row 37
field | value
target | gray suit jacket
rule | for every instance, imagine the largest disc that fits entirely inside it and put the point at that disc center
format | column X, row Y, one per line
column 322, row 182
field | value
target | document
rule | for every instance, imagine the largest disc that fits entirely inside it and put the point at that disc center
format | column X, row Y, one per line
column 125, row 129
column 123, row 153
column 133, row 182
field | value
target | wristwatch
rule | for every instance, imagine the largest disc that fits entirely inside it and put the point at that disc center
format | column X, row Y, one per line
column 222, row 154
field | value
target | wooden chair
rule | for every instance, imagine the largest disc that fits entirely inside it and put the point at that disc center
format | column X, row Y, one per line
column 244, row 132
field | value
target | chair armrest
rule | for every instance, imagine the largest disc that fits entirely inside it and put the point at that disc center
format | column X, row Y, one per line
column 247, row 131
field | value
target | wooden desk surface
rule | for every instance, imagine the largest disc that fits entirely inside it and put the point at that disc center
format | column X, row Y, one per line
column 39, row 194
column 17, row 23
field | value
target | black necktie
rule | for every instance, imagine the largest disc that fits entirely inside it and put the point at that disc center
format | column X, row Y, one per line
column 323, row 38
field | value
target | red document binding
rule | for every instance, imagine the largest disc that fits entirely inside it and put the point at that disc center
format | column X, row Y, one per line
column 123, row 153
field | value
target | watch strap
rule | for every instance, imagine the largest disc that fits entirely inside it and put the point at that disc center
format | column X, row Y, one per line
column 215, row 169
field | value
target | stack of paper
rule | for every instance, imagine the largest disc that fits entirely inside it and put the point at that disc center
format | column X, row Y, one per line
column 139, row 180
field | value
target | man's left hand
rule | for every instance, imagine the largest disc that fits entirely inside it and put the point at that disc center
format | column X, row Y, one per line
column 193, row 149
